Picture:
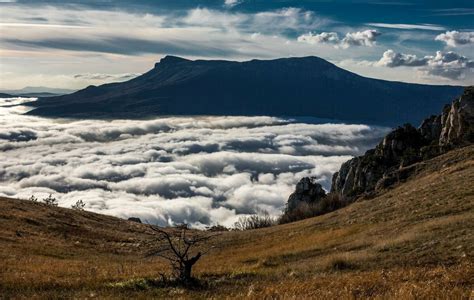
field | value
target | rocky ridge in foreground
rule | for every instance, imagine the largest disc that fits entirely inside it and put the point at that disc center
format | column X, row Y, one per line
column 394, row 159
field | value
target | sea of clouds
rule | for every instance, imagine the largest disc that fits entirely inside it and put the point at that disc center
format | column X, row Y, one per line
column 169, row 170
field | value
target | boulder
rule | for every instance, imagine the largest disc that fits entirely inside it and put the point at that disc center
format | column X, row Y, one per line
column 135, row 219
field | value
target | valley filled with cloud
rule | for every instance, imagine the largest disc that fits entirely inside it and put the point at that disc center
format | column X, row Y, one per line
column 198, row 170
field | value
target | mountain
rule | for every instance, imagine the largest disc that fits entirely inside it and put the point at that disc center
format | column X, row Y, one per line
column 38, row 91
column 306, row 86
column 413, row 241
column 5, row 95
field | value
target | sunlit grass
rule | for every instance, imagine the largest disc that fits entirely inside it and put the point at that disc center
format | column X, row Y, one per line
column 414, row 241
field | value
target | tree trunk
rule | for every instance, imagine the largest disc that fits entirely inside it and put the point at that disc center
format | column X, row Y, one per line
column 187, row 272
column 188, row 265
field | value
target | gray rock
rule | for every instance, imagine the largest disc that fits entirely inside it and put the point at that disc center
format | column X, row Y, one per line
column 457, row 121
column 393, row 159
column 430, row 129
column 361, row 174
column 135, row 219
column 307, row 191
column 406, row 145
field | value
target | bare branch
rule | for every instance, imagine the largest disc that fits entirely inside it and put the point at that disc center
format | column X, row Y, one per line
column 182, row 248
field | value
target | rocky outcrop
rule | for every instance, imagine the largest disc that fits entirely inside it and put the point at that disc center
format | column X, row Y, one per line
column 457, row 121
column 361, row 174
column 135, row 219
column 390, row 161
column 307, row 191
column 430, row 129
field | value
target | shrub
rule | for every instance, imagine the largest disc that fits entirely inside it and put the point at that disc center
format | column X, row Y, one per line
column 217, row 228
column 306, row 210
column 255, row 221
column 339, row 264
column 50, row 200
column 79, row 205
column 33, row 198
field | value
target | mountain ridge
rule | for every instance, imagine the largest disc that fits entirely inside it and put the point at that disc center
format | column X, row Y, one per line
column 395, row 159
column 299, row 86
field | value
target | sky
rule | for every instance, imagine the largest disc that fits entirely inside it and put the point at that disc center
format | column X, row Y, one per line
column 73, row 44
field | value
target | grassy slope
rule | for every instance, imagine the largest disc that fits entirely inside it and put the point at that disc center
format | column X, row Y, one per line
column 415, row 240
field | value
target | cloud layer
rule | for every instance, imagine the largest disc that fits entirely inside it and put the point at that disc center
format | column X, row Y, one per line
column 202, row 170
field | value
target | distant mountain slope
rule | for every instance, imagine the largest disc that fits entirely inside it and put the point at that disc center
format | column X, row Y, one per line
column 4, row 95
column 35, row 95
column 307, row 86
column 40, row 91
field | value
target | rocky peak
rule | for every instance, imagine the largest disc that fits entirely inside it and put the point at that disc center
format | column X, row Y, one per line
column 307, row 191
column 170, row 60
column 406, row 145
column 457, row 121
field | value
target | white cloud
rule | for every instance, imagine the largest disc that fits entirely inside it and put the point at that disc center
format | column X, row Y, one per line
column 232, row 3
column 455, row 38
column 270, row 22
column 198, row 170
column 61, row 26
column 360, row 38
column 408, row 26
column 449, row 64
column 444, row 64
column 321, row 38
column 106, row 77
column 393, row 59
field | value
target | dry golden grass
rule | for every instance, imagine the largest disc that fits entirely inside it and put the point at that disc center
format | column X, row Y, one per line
column 412, row 241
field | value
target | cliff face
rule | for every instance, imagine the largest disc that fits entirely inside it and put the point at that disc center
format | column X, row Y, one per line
column 400, row 147
column 457, row 121
column 387, row 163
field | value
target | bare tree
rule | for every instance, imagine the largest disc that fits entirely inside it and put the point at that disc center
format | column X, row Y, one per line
column 182, row 249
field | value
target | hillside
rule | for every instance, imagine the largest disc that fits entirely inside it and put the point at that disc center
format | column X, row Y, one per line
column 4, row 95
column 306, row 86
column 413, row 240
